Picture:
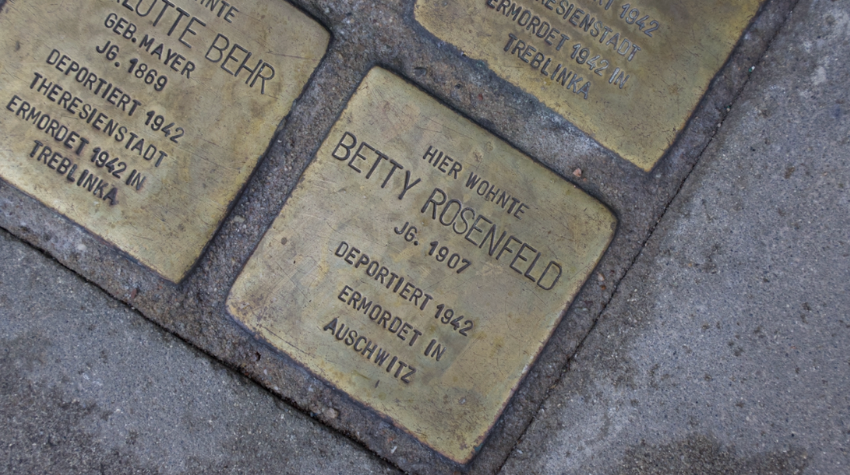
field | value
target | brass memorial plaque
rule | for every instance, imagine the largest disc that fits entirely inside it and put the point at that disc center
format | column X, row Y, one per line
column 421, row 264
column 629, row 74
column 142, row 119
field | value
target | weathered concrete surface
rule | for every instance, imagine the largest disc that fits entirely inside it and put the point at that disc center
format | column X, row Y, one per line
column 89, row 386
column 726, row 347
column 384, row 32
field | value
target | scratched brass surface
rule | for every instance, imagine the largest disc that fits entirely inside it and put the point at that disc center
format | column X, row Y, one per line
column 220, row 123
column 663, row 76
column 305, row 279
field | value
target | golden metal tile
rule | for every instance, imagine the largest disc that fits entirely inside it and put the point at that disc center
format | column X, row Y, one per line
column 628, row 74
column 421, row 264
column 141, row 119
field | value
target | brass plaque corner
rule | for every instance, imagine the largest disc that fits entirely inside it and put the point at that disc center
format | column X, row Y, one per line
column 629, row 74
column 421, row 264
column 141, row 120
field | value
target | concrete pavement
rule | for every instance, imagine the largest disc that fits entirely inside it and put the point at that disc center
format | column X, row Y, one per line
column 723, row 350
column 87, row 385
column 726, row 349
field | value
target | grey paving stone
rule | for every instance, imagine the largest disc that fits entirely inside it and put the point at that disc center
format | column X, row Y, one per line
column 89, row 386
column 726, row 347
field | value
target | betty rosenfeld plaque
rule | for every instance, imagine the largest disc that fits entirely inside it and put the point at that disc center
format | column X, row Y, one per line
column 421, row 264
column 629, row 74
column 141, row 119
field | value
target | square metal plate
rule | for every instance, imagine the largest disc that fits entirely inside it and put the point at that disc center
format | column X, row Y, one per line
column 421, row 264
column 628, row 74
column 141, row 120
